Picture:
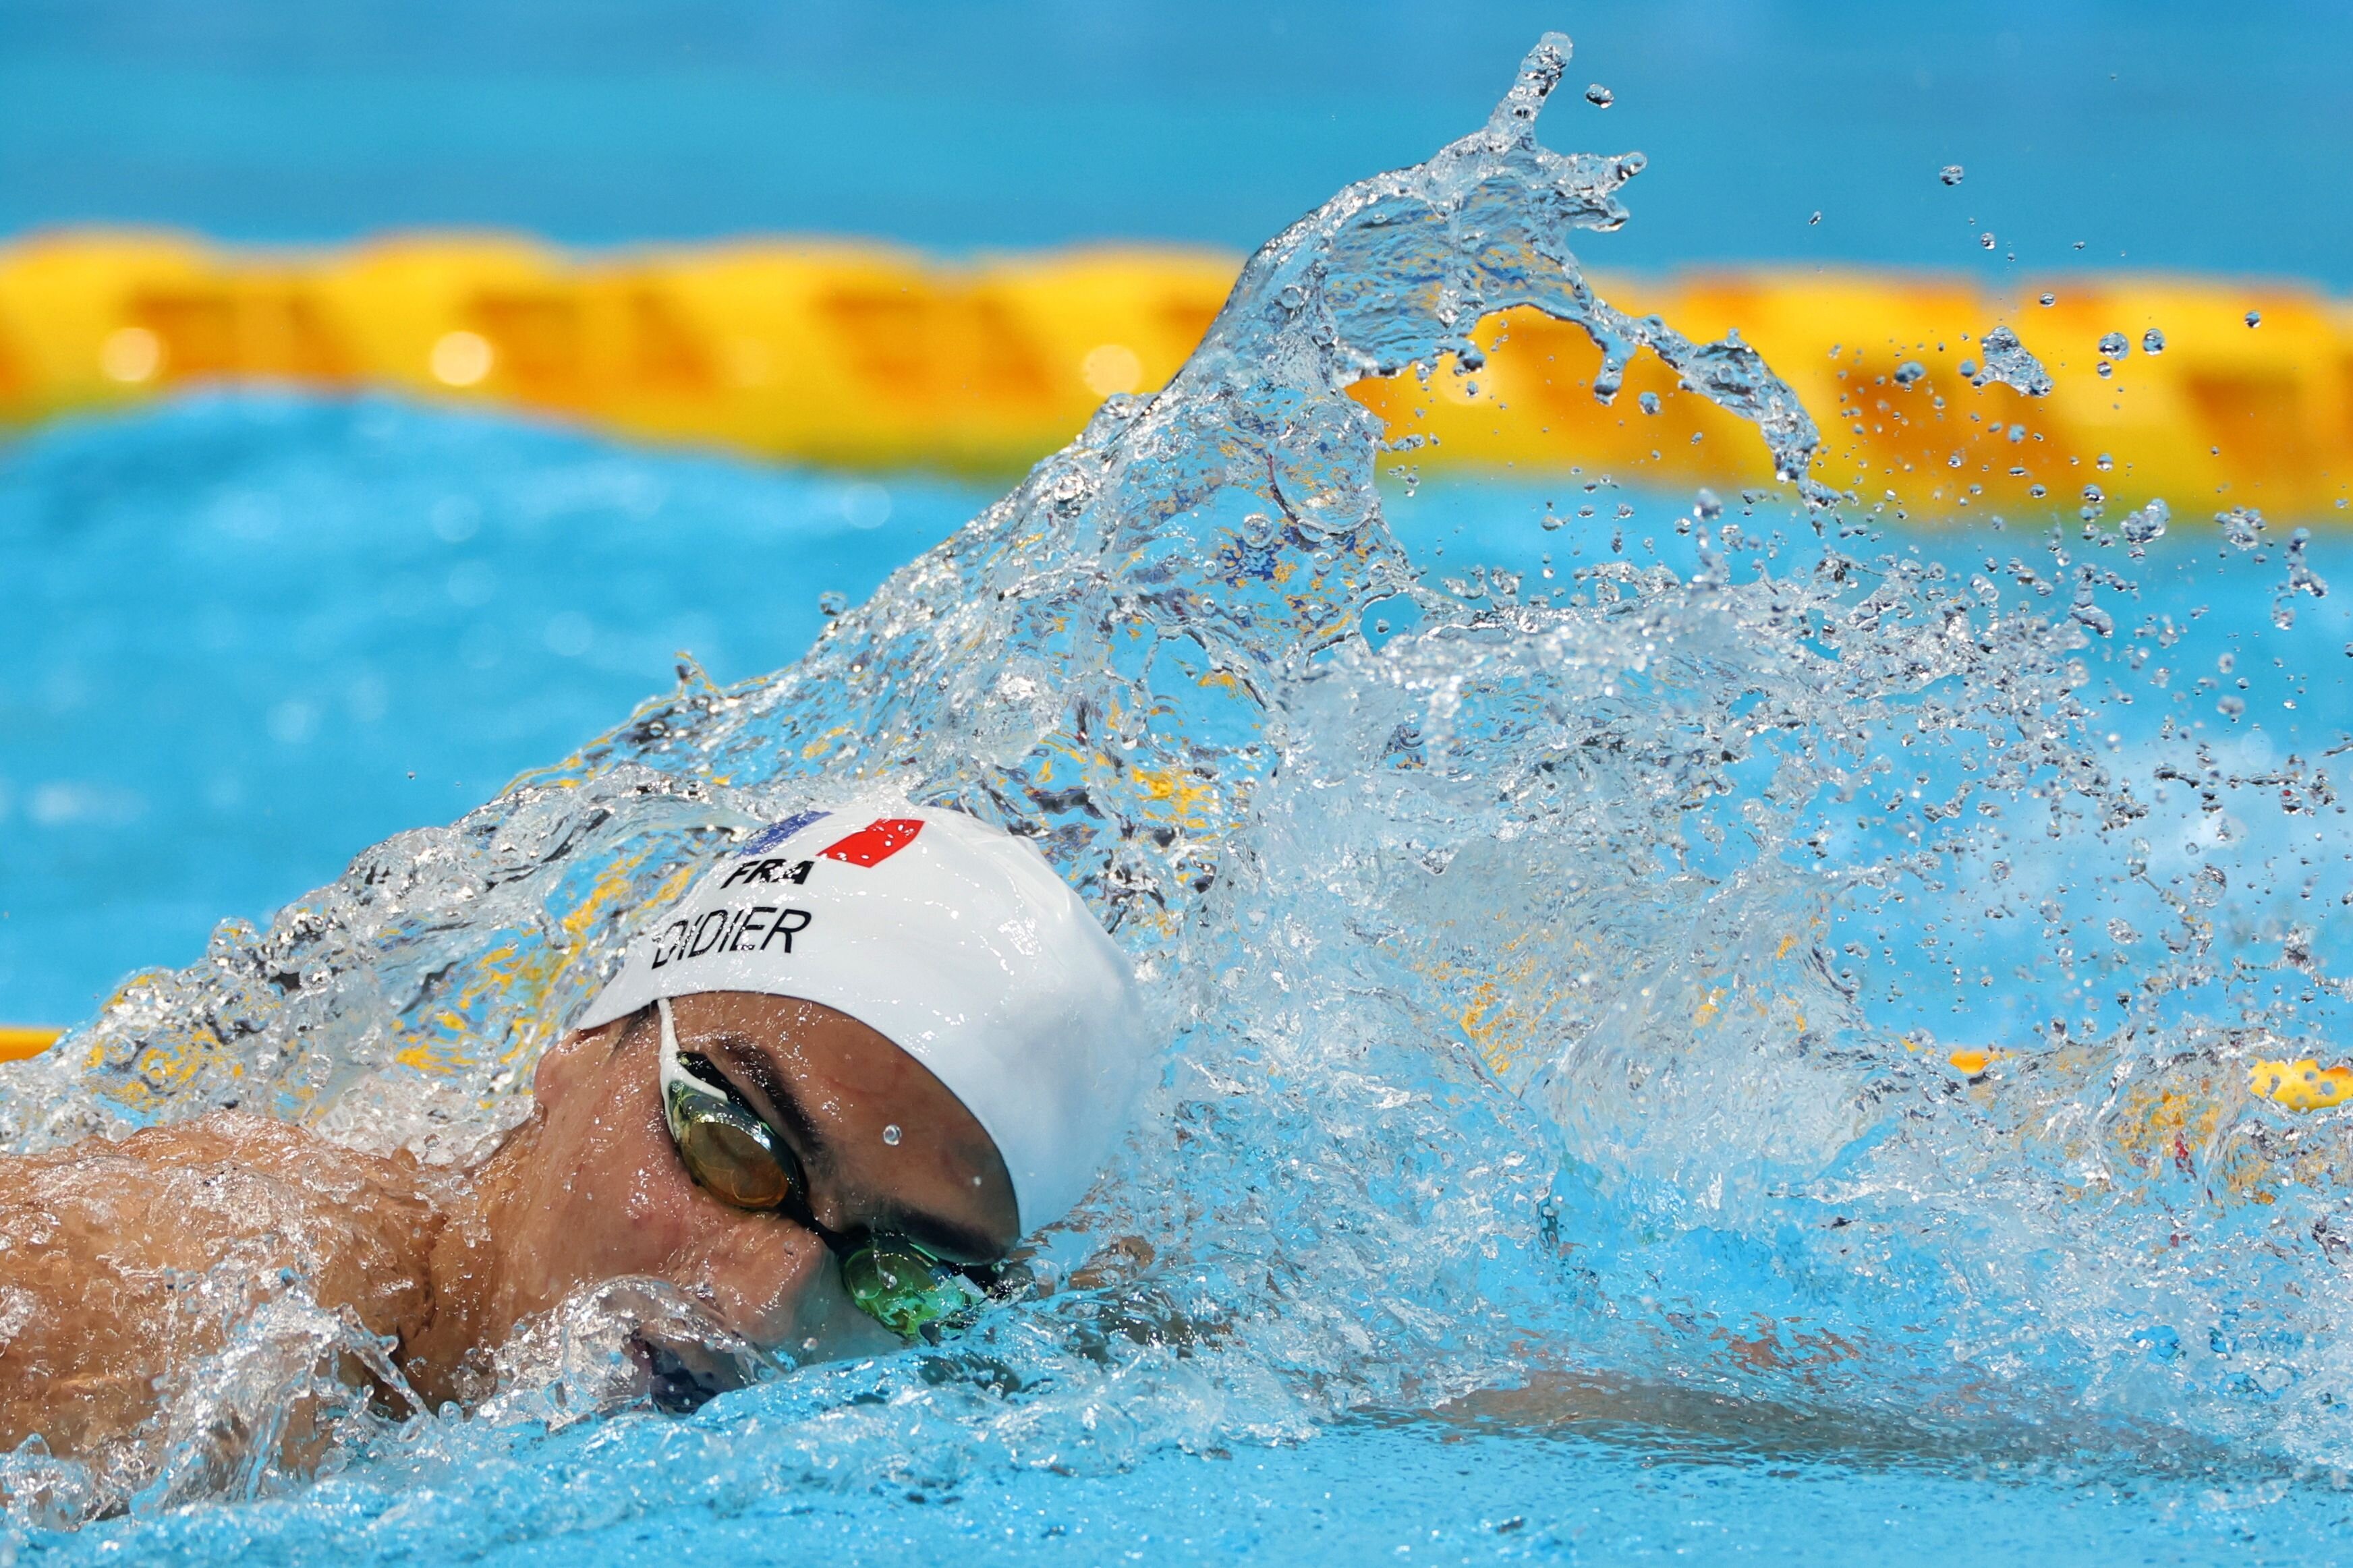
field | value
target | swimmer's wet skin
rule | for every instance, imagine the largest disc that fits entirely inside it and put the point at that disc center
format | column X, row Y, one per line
column 868, row 1051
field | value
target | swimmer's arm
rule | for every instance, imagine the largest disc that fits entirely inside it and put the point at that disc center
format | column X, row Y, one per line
column 121, row 1263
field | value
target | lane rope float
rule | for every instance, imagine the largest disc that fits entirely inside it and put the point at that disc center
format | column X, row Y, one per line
column 19, row 1041
column 861, row 356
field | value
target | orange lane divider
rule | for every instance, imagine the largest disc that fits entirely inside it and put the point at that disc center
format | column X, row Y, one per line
column 18, row 1042
column 862, row 356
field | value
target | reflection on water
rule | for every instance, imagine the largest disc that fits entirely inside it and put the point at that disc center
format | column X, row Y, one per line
column 1760, row 979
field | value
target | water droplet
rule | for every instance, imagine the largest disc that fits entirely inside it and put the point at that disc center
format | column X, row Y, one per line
column 1969, row 370
column 1987, row 239
column 1950, row 173
column 2152, row 342
column 890, row 1134
column 2113, row 344
column 2094, row 494
column 2230, row 706
column 1707, row 506
column 1817, row 217
column 2104, row 462
column 2242, row 526
column 2009, row 362
column 1551, row 521
column 2301, row 577
column 2091, row 616
column 1600, row 96
column 2049, row 299
column 2254, row 318
column 2148, row 523
column 1649, row 402
column 832, row 602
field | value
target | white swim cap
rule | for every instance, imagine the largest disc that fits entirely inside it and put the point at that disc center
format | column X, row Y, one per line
column 951, row 939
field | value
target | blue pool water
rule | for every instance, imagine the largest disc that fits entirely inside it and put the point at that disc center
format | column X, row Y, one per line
column 252, row 634
column 257, row 633
column 1034, row 122
column 1367, row 1492
column 1560, row 1151
column 561, row 525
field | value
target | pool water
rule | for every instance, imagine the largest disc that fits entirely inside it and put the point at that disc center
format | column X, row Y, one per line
column 254, row 633
column 1748, row 1046
column 1362, row 1492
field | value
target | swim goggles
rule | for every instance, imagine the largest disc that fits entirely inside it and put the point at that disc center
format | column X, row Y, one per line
column 732, row 1152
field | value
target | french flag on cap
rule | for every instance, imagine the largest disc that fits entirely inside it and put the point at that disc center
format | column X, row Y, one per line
column 874, row 843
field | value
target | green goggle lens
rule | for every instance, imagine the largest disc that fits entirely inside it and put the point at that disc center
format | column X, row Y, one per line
column 905, row 1289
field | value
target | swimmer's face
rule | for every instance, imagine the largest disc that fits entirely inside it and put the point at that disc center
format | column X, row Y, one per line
column 598, row 1188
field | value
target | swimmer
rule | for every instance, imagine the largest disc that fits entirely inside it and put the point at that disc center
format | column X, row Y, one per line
column 867, row 1053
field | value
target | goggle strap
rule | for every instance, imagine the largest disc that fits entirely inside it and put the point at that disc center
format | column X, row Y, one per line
column 675, row 1076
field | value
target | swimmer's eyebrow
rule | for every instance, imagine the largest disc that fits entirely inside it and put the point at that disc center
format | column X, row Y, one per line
column 754, row 1062
column 945, row 1237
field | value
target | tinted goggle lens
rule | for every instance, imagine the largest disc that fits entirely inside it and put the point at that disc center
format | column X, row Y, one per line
column 733, row 1162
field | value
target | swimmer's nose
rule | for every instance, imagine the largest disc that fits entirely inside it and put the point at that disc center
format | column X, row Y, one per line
column 776, row 1285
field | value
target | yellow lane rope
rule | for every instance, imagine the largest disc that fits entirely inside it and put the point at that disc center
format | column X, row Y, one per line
column 867, row 357
column 16, row 1043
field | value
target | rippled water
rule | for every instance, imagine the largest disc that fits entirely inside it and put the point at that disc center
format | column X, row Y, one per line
column 1563, row 977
